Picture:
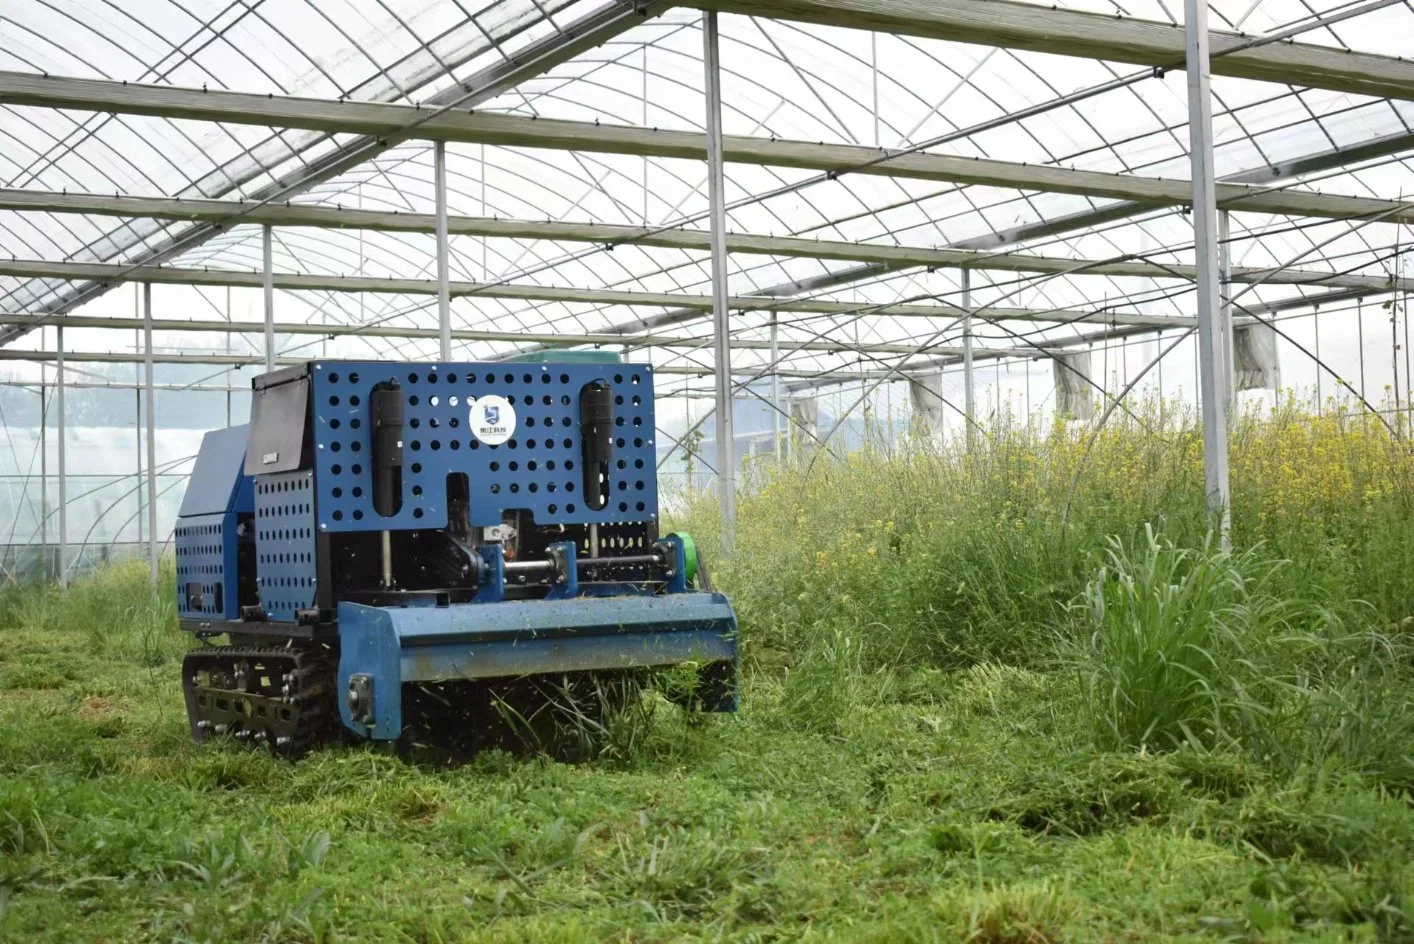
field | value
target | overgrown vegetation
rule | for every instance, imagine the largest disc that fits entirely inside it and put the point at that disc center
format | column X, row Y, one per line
column 1018, row 696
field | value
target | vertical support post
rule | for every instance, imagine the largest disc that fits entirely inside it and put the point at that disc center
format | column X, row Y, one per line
column 62, row 566
column 1107, row 382
column 137, row 427
column 874, row 70
column 1393, row 307
column 228, row 343
column 1360, row 339
column 268, row 274
column 137, row 414
column 726, row 451
column 444, row 294
column 1027, row 365
column 643, row 97
column 1402, row 268
column 1316, row 333
column 776, row 383
column 1211, row 363
column 362, row 306
column 151, row 432
column 969, row 380
column 486, row 211
column 43, row 475
column 1225, row 276
column 1394, row 367
column 1159, row 369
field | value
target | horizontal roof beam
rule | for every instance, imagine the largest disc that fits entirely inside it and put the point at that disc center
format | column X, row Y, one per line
column 168, row 275
column 337, row 217
column 747, row 373
column 1114, row 38
column 71, row 383
column 387, row 330
column 19, row 88
column 1245, row 314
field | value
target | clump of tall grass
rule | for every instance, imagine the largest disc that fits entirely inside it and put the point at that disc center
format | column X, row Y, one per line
column 1217, row 650
column 115, row 608
column 1182, row 643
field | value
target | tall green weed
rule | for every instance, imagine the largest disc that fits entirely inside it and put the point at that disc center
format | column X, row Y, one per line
column 1216, row 650
column 1183, row 643
column 116, row 609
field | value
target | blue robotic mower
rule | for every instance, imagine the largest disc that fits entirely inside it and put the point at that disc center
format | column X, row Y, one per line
column 400, row 548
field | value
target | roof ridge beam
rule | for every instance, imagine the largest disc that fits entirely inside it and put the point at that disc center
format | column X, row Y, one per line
column 389, row 330
column 749, row 372
column 1111, row 37
column 17, row 88
column 303, row 282
column 339, row 217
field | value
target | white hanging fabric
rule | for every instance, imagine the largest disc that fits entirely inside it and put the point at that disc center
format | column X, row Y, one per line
column 1255, row 350
column 1074, row 393
column 925, row 394
column 804, row 419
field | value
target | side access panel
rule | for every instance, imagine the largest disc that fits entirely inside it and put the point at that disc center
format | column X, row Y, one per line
column 206, row 538
column 207, row 570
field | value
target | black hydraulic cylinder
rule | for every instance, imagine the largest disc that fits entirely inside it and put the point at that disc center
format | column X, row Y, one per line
column 385, row 406
column 596, row 437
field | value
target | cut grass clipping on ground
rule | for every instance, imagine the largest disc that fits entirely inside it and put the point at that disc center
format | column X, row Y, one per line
column 1007, row 698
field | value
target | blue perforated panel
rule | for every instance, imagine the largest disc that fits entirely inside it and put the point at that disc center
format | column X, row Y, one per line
column 206, row 554
column 286, row 565
column 537, row 470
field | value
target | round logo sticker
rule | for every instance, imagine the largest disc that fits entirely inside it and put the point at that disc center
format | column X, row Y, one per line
column 493, row 420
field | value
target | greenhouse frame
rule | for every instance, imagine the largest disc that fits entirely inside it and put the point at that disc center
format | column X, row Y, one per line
column 825, row 223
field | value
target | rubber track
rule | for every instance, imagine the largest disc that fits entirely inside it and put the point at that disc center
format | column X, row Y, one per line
column 314, row 668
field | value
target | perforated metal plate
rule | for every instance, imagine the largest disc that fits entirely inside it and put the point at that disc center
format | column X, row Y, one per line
column 538, row 469
column 286, row 565
column 206, row 555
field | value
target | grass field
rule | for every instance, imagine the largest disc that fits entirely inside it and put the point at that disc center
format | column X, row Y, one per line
column 1016, row 697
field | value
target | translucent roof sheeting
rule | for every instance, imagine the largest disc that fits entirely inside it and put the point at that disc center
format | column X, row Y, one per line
column 782, row 79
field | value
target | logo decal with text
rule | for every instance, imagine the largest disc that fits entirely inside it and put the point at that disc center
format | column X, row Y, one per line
column 493, row 420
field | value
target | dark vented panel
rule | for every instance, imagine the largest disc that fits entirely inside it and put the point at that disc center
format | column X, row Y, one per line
column 286, row 566
column 206, row 555
column 538, row 469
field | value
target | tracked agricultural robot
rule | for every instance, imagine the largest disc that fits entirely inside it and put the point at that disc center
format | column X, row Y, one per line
column 389, row 546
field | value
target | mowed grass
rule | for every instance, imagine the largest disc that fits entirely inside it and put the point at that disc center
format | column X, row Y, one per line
column 1016, row 697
